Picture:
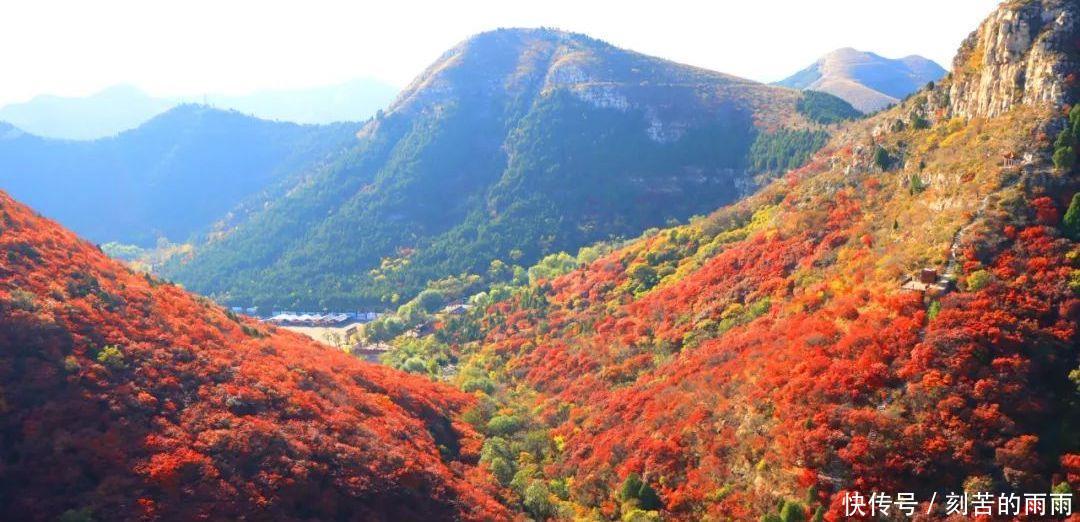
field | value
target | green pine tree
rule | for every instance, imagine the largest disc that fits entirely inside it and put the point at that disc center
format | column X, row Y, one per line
column 1071, row 222
column 1065, row 158
column 882, row 158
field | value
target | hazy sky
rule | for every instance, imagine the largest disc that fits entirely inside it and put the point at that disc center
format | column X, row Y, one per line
column 196, row 46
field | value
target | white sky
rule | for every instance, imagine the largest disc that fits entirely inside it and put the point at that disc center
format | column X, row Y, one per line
column 192, row 47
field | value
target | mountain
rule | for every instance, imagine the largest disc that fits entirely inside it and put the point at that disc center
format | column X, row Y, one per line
column 899, row 314
column 125, row 398
column 171, row 177
column 865, row 80
column 514, row 144
column 355, row 100
column 105, row 113
column 122, row 107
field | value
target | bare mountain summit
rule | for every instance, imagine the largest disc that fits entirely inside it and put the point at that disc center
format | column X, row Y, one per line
column 867, row 81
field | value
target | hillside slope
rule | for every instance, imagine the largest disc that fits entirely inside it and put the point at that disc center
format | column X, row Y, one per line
column 125, row 398
column 764, row 361
column 867, row 81
column 170, row 178
column 514, row 144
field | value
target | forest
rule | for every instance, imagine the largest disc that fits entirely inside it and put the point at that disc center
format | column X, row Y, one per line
column 126, row 398
column 537, row 169
column 763, row 360
column 739, row 302
column 171, row 180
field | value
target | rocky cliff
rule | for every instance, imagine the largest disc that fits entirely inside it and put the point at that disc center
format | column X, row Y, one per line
column 728, row 366
column 1021, row 54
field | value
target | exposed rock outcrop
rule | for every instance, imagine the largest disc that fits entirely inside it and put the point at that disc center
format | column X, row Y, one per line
column 515, row 67
column 1023, row 53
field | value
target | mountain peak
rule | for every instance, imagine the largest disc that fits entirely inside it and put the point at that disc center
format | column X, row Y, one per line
column 866, row 80
column 738, row 335
column 551, row 34
column 489, row 62
column 8, row 131
column 198, row 158
column 530, row 61
column 104, row 113
column 513, row 132
column 508, row 38
column 845, row 52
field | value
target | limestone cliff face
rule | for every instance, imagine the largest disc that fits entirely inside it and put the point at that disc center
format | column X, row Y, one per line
column 1022, row 54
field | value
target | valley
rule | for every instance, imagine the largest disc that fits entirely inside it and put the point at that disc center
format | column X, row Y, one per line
column 557, row 279
column 543, row 168
column 765, row 360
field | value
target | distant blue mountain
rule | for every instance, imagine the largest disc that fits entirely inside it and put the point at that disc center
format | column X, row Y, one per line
column 123, row 107
column 170, row 178
column 103, row 114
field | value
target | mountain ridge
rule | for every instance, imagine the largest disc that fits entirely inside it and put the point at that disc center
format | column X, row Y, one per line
column 867, row 80
column 898, row 313
column 170, row 178
column 550, row 119
column 780, row 354
column 101, row 114
column 120, row 108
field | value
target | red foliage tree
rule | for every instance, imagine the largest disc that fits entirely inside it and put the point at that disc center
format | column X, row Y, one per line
column 127, row 396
